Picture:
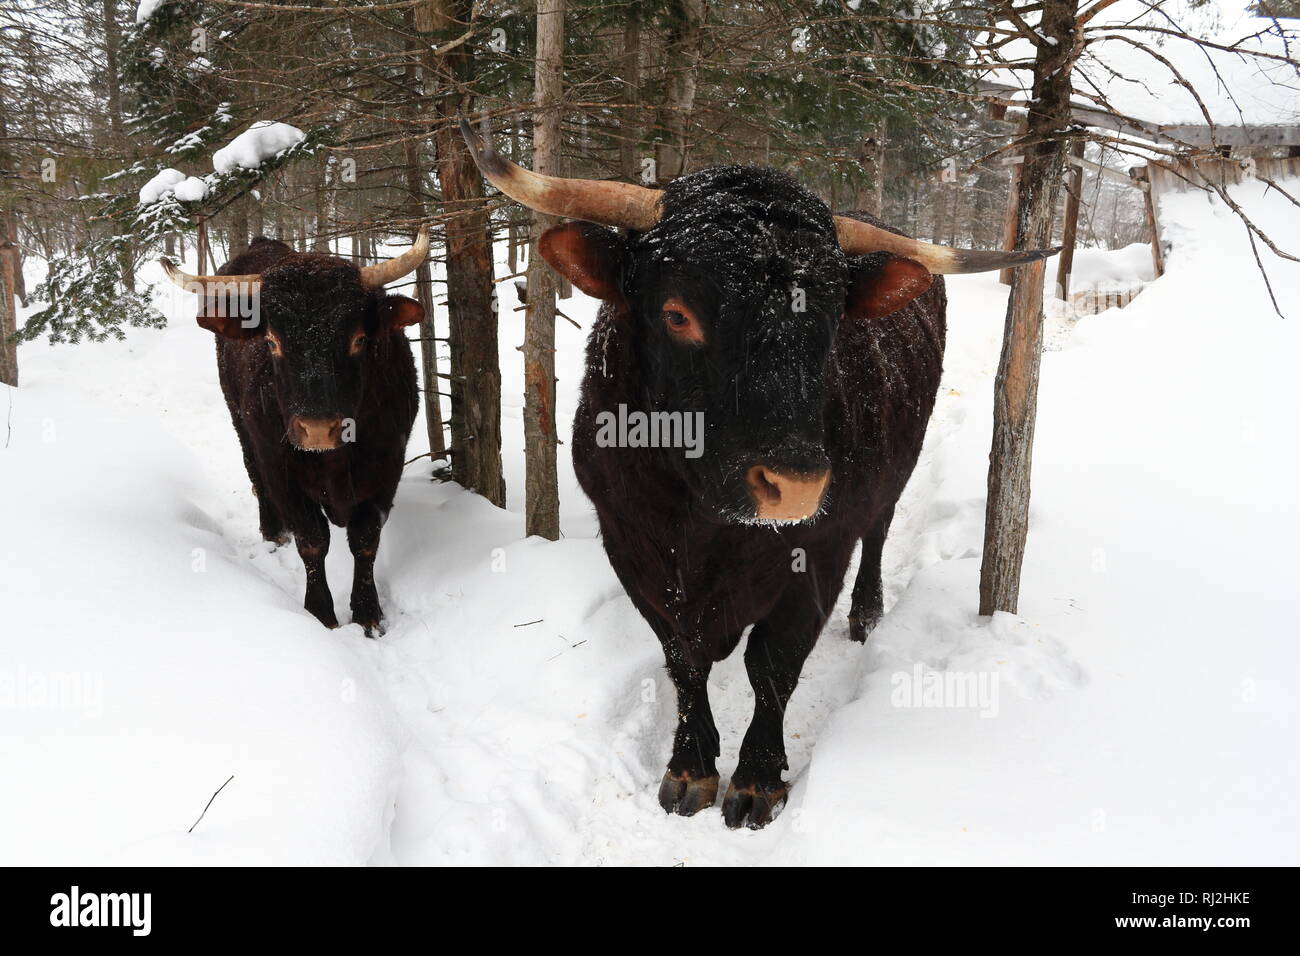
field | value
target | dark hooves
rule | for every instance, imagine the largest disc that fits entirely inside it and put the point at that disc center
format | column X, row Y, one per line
column 328, row 618
column 862, row 623
column 685, row 795
column 374, row 628
column 754, row 806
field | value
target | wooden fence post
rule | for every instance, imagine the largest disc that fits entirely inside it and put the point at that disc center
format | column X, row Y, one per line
column 1070, row 229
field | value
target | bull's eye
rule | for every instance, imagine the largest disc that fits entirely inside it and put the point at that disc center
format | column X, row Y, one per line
column 273, row 341
column 357, row 344
column 681, row 322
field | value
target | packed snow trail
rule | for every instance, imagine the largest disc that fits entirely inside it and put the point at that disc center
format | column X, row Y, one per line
column 516, row 711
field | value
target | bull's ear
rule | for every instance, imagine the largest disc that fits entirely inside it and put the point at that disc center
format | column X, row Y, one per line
column 589, row 256
column 882, row 283
column 399, row 312
column 230, row 316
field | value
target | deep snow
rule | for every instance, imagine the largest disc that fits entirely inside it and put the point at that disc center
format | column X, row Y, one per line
column 1137, row 710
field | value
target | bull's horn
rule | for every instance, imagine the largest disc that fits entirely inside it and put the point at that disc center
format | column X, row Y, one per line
column 606, row 203
column 858, row 237
column 382, row 273
column 636, row 207
column 192, row 283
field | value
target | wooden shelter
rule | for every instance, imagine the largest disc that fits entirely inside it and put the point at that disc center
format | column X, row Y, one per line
column 1204, row 156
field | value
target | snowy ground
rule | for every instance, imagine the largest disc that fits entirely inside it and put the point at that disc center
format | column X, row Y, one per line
column 1138, row 709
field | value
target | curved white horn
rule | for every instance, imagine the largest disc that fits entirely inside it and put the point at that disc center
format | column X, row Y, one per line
column 382, row 273
column 604, row 202
column 858, row 237
column 200, row 284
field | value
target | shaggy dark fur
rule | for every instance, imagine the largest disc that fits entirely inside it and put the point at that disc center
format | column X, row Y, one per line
column 792, row 389
column 315, row 306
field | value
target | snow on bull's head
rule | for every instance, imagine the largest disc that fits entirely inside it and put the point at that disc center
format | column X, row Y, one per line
column 734, row 280
column 322, row 320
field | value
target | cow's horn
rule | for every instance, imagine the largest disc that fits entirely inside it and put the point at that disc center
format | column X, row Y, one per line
column 607, row 203
column 192, row 283
column 382, row 273
column 857, row 237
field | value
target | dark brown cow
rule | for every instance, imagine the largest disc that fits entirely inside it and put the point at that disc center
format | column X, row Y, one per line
column 321, row 386
column 810, row 347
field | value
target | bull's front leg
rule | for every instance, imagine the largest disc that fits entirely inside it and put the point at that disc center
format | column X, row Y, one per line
column 364, row 527
column 311, row 533
column 774, row 656
column 690, row 783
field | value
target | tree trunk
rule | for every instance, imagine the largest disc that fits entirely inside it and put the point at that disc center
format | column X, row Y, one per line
column 112, row 44
column 472, row 321
column 1016, row 389
column 871, row 196
column 424, row 286
column 8, row 313
column 940, row 201
column 628, row 160
column 320, row 242
column 682, row 53
column 10, row 269
column 239, row 226
column 256, row 217
column 512, row 217
column 541, row 484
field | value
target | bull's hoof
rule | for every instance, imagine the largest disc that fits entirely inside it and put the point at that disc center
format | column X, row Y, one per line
column 862, row 623
column 686, row 795
column 754, row 806
column 325, row 615
column 374, row 628
column 277, row 538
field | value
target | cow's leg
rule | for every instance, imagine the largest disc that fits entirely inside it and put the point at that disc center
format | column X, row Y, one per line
column 270, row 522
column 868, row 593
column 311, row 532
column 364, row 528
column 778, row 646
column 690, row 783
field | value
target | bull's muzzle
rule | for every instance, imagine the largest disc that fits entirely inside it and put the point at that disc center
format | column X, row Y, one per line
column 785, row 496
column 316, row 434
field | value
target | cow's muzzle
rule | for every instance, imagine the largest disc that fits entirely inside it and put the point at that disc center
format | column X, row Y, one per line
column 785, row 496
column 316, row 434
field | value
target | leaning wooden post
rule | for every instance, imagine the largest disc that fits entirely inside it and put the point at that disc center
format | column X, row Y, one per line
column 1011, row 216
column 1015, row 399
column 1147, row 184
column 1070, row 229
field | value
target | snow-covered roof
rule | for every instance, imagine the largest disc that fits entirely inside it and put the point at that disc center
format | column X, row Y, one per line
column 1236, row 89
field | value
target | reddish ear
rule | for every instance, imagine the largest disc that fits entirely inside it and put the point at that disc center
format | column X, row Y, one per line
column 222, row 313
column 589, row 256
column 399, row 312
column 884, row 283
